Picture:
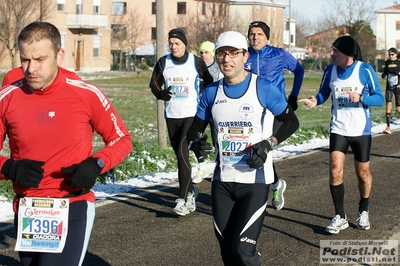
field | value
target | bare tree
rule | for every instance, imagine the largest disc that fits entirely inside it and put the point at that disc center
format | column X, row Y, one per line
column 276, row 36
column 128, row 33
column 339, row 18
column 320, row 46
column 118, row 37
column 239, row 23
column 303, row 28
column 199, row 27
column 347, row 12
column 137, row 26
column 14, row 16
column 211, row 25
column 364, row 35
column 356, row 15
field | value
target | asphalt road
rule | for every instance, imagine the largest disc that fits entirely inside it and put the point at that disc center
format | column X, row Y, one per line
column 137, row 228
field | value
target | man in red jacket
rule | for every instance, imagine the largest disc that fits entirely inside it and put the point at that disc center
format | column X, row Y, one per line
column 49, row 120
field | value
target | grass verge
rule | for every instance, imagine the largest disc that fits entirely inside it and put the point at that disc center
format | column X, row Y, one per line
column 131, row 97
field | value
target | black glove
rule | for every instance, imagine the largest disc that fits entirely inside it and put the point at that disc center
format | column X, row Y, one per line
column 201, row 148
column 260, row 152
column 292, row 101
column 165, row 95
column 84, row 174
column 25, row 172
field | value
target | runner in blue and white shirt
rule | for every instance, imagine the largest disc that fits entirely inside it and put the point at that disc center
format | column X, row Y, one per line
column 354, row 87
column 242, row 107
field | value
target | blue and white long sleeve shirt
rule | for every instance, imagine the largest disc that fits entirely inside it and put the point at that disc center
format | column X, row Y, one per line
column 349, row 118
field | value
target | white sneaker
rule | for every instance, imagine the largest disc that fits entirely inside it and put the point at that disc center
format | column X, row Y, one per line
column 201, row 173
column 191, row 199
column 197, row 178
column 337, row 224
column 363, row 220
column 180, row 208
column 387, row 130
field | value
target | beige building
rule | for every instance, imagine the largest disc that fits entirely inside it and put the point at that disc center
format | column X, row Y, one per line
column 99, row 34
column 84, row 28
column 187, row 14
column 243, row 12
column 85, row 33
column 202, row 20
column 387, row 29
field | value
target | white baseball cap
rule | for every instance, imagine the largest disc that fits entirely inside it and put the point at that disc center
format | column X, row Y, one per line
column 233, row 39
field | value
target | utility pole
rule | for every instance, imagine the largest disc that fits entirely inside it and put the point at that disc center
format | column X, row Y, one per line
column 161, row 126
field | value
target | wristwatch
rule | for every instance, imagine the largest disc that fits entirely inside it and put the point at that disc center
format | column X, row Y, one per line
column 100, row 163
column 361, row 98
column 273, row 143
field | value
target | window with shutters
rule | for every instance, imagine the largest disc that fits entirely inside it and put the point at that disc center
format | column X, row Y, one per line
column 96, row 46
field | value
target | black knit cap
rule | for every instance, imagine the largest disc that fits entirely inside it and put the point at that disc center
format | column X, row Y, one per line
column 261, row 25
column 348, row 46
column 179, row 34
column 393, row 50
